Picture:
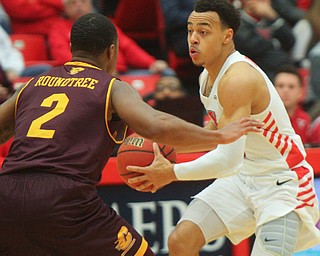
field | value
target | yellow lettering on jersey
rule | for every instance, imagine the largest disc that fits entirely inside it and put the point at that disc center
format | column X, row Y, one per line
column 76, row 82
column 92, row 83
column 72, row 81
column 58, row 81
column 39, row 81
column 66, row 82
column 86, row 81
column 79, row 82
column 52, row 81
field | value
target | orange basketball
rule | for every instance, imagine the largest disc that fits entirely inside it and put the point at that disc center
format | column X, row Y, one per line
column 137, row 150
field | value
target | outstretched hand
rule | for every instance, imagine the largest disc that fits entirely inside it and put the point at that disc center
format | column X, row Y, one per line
column 154, row 176
column 236, row 129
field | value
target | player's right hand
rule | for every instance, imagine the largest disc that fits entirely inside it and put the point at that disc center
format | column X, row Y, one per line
column 236, row 129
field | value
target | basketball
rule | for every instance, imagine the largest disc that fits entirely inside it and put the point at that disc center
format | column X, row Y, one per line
column 137, row 150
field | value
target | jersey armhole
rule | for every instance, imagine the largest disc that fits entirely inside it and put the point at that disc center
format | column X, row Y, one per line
column 18, row 96
column 106, row 114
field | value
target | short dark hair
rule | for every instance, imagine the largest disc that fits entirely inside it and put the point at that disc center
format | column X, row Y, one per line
column 92, row 34
column 290, row 69
column 229, row 15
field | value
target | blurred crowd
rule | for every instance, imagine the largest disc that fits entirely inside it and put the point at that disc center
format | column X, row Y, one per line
column 281, row 36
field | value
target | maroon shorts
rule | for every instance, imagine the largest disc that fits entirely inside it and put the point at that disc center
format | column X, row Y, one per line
column 46, row 214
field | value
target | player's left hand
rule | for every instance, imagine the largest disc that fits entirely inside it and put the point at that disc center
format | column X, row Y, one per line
column 154, row 176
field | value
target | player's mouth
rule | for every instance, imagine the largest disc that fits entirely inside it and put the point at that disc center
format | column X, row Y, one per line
column 193, row 52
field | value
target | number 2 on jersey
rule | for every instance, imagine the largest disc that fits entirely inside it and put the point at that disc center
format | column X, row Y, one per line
column 35, row 127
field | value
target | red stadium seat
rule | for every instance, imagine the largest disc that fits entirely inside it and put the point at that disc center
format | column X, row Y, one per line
column 144, row 84
column 33, row 48
column 141, row 20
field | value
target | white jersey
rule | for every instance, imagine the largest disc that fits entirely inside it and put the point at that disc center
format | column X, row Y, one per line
column 275, row 155
column 278, row 147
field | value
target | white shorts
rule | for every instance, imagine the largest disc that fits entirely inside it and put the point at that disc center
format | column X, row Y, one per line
column 210, row 224
column 245, row 202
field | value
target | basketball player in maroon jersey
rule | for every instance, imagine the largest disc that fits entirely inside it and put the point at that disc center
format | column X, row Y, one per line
column 66, row 123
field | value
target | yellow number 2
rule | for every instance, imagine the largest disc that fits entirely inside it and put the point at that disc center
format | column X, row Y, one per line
column 35, row 127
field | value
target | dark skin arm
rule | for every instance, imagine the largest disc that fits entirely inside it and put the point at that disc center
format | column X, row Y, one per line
column 148, row 122
column 168, row 129
column 7, row 120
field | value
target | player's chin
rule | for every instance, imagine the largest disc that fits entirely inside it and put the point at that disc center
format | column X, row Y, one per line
column 197, row 62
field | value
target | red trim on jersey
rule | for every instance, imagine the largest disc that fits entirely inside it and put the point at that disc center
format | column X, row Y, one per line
column 267, row 118
column 304, row 204
column 271, row 125
column 265, row 133
column 306, row 183
column 295, row 156
column 272, row 137
column 305, row 187
column 282, row 143
column 279, row 141
column 304, row 192
column 285, row 146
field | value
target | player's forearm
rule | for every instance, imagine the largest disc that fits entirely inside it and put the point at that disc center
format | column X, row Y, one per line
column 191, row 148
column 6, row 129
column 181, row 134
column 224, row 161
column 194, row 148
column 7, row 121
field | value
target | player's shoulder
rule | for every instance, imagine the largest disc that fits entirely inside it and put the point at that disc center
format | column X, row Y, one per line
column 239, row 72
column 124, row 88
column 119, row 83
column 240, row 68
column 242, row 72
column 240, row 77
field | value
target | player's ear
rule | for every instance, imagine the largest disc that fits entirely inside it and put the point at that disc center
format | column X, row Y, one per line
column 228, row 36
column 111, row 51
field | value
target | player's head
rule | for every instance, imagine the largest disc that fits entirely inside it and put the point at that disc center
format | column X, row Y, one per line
column 289, row 84
column 228, row 14
column 93, row 36
column 211, row 27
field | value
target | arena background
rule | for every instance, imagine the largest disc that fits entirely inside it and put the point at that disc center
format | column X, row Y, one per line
column 155, row 215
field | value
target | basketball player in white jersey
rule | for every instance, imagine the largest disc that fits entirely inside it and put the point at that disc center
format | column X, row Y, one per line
column 264, row 184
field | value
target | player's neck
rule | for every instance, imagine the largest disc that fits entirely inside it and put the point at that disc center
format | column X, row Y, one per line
column 217, row 64
column 86, row 60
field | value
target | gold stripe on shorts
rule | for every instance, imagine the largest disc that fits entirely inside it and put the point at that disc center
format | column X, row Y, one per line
column 143, row 248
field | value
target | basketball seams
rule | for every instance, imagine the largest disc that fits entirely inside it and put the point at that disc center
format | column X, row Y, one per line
column 166, row 155
column 138, row 151
column 162, row 150
column 134, row 151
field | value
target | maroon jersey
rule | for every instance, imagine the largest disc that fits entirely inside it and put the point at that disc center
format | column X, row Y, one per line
column 61, row 124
